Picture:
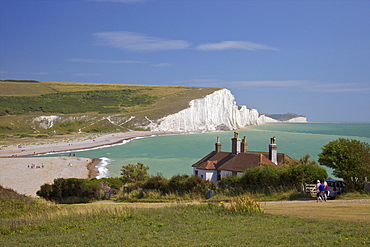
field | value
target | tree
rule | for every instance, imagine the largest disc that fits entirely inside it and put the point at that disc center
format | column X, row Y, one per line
column 306, row 171
column 134, row 173
column 350, row 160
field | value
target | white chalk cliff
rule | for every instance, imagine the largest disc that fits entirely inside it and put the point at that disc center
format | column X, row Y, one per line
column 216, row 111
column 292, row 120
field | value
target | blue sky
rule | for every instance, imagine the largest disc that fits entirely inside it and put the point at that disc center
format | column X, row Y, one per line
column 307, row 57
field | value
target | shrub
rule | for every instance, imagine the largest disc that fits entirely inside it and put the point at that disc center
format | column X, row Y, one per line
column 156, row 183
column 244, row 205
column 71, row 190
column 182, row 184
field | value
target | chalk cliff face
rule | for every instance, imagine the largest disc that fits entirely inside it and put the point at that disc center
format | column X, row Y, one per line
column 292, row 120
column 216, row 111
column 297, row 120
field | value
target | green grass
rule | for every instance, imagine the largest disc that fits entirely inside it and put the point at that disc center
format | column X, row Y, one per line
column 186, row 225
column 190, row 225
column 102, row 101
column 15, row 205
column 355, row 195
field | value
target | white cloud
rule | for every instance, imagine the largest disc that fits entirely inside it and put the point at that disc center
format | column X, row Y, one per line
column 340, row 88
column 138, row 42
column 88, row 60
column 233, row 45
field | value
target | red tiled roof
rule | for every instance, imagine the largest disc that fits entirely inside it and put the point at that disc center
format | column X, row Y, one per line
column 239, row 162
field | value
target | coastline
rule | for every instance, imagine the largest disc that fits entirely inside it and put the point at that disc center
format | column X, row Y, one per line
column 73, row 144
column 23, row 171
column 92, row 168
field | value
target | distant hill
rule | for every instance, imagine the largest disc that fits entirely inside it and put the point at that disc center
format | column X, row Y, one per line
column 70, row 108
column 283, row 117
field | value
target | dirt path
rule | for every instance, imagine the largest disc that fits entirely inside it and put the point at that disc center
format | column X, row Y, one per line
column 347, row 210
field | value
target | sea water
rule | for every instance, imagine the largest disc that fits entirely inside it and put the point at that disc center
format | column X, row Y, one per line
column 174, row 154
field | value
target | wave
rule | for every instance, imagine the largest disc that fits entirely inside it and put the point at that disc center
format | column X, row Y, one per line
column 101, row 167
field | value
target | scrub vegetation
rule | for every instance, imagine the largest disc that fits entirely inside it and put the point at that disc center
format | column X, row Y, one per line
column 136, row 184
column 101, row 101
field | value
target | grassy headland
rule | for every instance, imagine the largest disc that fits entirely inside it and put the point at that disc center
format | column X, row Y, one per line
column 90, row 107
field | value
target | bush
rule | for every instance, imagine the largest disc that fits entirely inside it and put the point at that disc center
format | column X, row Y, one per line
column 182, row 184
column 269, row 179
column 156, row 183
column 73, row 190
column 179, row 187
column 244, row 205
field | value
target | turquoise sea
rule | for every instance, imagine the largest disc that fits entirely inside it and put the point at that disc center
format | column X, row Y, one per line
column 174, row 154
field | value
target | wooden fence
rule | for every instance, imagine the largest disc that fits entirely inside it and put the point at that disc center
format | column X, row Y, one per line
column 310, row 189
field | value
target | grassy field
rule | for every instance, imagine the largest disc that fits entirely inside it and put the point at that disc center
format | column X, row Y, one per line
column 306, row 223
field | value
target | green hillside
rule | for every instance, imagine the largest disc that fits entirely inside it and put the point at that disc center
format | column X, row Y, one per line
column 86, row 107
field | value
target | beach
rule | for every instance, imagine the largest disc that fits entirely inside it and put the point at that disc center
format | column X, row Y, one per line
column 75, row 143
column 24, row 172
column 26, row 175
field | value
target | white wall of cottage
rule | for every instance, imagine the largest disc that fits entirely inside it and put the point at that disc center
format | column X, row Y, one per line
column 211, row 175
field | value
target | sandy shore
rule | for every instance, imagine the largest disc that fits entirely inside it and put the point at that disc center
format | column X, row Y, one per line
column 16, row 172
column 26, row 175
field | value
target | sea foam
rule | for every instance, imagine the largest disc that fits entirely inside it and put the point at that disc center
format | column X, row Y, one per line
column 101, row 167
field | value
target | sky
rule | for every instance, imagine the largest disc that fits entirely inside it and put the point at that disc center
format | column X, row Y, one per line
column 306, row 57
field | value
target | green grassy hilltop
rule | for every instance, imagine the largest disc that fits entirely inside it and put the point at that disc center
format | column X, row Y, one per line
column 86, row 107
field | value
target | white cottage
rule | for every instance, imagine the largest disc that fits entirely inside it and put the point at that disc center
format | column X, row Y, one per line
column 219, row 164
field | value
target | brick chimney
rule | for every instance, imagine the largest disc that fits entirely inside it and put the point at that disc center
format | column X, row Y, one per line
column 244, row 145
column 218, row 145
column 235, row 144
column 273, row 150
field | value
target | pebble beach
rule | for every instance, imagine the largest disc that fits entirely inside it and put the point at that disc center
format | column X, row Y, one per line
column 23, row 171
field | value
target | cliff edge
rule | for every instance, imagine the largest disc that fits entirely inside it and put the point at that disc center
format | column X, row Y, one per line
column 285, row 118
column 215, row 112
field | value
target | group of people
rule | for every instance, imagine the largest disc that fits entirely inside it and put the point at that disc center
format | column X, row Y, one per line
column 36, row 166
column 322, row 190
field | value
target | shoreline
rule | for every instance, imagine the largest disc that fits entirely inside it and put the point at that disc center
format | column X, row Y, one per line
column 92, row 168
column 23, row 170
column 76, row 143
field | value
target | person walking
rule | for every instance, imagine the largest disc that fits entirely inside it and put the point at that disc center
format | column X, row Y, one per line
column 320, row 191
column 326, row 190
